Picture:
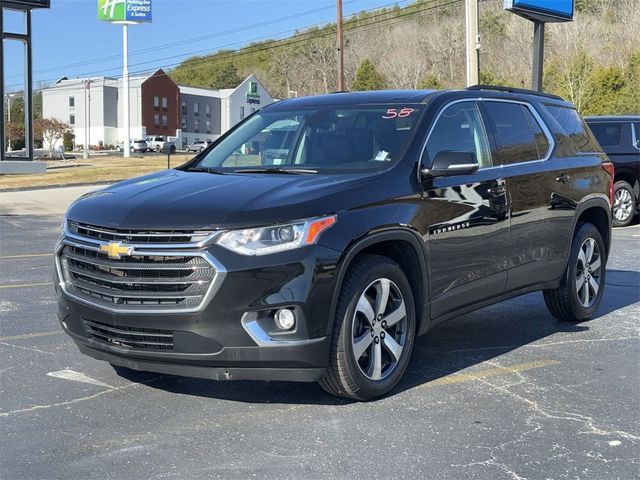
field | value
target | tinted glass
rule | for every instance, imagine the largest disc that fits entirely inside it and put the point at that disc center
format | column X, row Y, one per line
column 575, row 128
column 608, row 134
column 459, row 129
column 515, row 140
column 542, row 144
column 322, row 138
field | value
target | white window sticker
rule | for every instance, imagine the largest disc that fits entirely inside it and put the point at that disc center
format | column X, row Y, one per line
column 277, row 161
column 382, row 156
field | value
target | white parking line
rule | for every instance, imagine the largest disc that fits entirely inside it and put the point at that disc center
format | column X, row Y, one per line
column 77, row 377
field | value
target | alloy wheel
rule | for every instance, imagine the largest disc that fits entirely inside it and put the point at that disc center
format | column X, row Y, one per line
column 622, row 205
column 588, row 272
column 379, row 330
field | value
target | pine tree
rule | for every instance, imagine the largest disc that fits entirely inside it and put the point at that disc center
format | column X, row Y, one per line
column 367, row 77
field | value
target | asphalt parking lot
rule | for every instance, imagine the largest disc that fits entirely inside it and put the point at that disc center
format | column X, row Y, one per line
column 506, row 392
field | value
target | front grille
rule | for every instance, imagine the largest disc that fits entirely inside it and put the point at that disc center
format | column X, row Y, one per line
column 136, row 235
column 139, row 282
column 130, row 337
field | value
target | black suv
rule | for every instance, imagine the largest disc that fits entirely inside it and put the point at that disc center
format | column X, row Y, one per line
column 619, row 137
column 385, row 214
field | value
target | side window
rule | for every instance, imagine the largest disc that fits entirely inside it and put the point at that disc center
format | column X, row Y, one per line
column 635, row 135
column 575, row 128
column 519, row 137
column 460, row 129
column 608, row 134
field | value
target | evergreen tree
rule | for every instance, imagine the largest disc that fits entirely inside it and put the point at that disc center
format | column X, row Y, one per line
column 367, row 77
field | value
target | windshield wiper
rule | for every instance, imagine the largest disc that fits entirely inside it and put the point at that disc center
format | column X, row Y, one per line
column 206, row 170
column 289, row 171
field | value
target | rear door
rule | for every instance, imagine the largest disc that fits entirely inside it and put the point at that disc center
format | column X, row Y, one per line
column 467, row 215
column 541, row 213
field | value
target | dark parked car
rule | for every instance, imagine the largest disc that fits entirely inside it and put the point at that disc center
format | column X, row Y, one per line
column 619, row 137
column 391, row 212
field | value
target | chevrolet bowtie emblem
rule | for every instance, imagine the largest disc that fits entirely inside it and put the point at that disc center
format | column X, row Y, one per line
column 116, row 250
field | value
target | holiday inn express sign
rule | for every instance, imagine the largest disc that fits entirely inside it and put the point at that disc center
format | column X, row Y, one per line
column 138, row 11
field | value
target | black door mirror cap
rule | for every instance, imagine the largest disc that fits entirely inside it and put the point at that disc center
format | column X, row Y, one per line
column 448, row 163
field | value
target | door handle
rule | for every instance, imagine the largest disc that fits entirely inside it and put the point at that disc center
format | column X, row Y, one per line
column 562, row 178
column 501, row 190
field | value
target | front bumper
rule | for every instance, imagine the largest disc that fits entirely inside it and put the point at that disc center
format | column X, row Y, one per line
column 216, row 341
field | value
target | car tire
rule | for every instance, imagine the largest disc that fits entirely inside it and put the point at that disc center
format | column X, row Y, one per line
column 201, row 149
column 577, row 298
column 362, row 363
column 624, row 204
column 158, row 149
column 132, row 150
column 118, row 149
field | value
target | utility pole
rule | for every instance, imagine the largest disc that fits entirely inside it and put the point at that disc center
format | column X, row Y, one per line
column 340, row 46
column 9, row 121
column 472, row 42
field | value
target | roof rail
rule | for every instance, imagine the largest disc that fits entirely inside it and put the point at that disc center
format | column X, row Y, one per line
column 524, row 91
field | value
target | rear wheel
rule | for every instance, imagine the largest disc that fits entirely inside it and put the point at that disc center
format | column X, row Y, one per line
column 158, row 148
column 579, row 296
column 624, row 204
column 132, row 150
column 373, row 331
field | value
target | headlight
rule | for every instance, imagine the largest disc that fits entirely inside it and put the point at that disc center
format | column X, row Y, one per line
column 265, row 240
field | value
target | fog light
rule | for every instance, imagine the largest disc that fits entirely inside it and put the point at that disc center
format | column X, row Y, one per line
column 284, row 319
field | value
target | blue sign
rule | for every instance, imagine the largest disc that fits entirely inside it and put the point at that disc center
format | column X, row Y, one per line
column 543, row 10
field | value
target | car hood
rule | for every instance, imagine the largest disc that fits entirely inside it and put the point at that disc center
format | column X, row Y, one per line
column 178, row 199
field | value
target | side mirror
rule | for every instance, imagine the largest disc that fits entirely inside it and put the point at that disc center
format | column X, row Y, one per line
column 447, row 163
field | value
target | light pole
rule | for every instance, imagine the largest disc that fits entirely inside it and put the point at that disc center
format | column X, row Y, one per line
column 340, row 42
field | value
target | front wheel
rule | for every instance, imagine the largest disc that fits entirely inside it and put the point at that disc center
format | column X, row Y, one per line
column 580, row 293
column 158, row 148
column 624, row 204
column 373, row 331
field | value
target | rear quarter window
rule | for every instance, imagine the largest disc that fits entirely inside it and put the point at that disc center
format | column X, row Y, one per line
column 608, row 134
column 575, row 128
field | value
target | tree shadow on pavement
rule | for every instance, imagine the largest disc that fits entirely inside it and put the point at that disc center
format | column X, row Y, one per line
column 448, row 348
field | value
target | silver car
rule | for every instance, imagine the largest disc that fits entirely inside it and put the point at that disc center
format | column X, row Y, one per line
column 134, row 146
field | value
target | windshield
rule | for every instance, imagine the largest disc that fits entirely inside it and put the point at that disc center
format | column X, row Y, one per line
column 320, row 138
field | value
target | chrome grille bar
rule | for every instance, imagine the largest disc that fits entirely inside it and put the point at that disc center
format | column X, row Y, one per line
column 148, row 280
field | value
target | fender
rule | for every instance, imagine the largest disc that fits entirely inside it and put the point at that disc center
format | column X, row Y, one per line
column 372, row 238
column 594, row 201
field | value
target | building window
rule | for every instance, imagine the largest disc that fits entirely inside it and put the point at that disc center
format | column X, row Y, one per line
column 72, row 102
column 196, row 108
column 196, row 126
column 165, row 103
column 183, row 124
column 253, row 109
column 241, row 113
column 207, row 109
column 165, row 121
column 156, row 102
column 208, row 124
column 156, row 120
column 184, row 107
column 72, row 119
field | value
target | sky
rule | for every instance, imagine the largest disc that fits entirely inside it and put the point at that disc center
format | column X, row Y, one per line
column 69, row 33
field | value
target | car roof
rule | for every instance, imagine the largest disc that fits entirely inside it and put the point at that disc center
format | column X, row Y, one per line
column 612, row 118
column 356, row 98
column 417, row 96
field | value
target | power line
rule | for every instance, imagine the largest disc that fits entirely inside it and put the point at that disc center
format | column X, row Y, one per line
column 302, row 38
column 189, row 40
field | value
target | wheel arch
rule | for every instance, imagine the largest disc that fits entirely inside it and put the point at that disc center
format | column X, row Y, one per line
column 597, row 212
column 405, row 247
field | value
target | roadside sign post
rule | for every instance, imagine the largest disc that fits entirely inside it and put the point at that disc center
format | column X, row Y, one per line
column 540, row 12
column 125, row 13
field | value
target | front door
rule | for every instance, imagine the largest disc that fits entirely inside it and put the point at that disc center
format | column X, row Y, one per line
column 467, row 215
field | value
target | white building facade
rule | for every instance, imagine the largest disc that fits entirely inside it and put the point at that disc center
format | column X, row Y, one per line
column 93, row 107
